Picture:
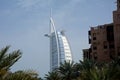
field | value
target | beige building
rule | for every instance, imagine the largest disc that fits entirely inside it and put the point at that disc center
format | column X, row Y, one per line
column 116, row 21
column 104, row 40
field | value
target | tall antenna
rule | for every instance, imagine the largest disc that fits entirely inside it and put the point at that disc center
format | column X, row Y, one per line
column 50, row 12
column 52, row 25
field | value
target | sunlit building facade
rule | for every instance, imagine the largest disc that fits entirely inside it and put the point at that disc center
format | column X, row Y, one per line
column 104, row 40
column 59, row 47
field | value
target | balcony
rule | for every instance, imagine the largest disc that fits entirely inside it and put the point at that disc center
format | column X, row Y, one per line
column 89, row 41
column 89, row 33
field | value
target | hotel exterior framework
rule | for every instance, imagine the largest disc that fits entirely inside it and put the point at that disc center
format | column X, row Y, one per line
column 59, row 47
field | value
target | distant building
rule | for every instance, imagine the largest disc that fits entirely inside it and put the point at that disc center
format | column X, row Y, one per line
column 59, row 47
column 104, row 40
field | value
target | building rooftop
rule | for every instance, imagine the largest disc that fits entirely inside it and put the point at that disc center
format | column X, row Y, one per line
column 101, row 26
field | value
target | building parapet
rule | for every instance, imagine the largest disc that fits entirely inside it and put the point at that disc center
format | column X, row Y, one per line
column 101, row 26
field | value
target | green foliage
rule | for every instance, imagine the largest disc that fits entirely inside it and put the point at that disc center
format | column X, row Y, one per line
column 7, row 60
column 53, row 76
column 66, row 70
column 88, row 70
column 23, row 75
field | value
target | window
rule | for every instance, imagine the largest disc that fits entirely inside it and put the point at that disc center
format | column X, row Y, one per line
column 111, row 46
column 95, row 55
column 94, row 48
column 94, row 38
column 118, row 53
column 105, row 46
column 94, row 34
column 95, row 58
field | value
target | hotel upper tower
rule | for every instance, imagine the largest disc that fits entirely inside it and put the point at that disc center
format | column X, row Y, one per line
column 59, row 47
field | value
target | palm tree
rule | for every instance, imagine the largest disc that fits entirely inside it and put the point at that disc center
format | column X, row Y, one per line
column 84, row 68
column 112, row 70
column 66, row 70
column 54, row 75
column 23, row 75
column 90, row 70
column 7, row 60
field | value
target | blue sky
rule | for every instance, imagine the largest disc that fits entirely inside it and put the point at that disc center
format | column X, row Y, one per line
column 23, row 24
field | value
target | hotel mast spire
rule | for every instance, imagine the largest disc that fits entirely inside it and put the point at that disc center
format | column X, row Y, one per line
column 52, row 25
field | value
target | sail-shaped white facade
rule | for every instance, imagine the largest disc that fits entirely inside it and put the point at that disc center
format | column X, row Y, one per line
column 59, row 47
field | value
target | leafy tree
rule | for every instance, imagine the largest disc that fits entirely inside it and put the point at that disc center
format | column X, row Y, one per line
column 66, row 70
column 86, row 70
column 23, row 75
column 54, row 75
column 7, row 60
column 90, row 70
column 111, row 71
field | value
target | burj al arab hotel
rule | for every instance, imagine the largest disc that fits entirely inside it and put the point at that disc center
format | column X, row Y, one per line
column 59, row 47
